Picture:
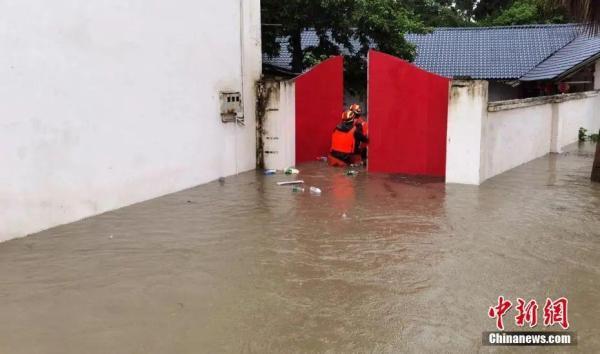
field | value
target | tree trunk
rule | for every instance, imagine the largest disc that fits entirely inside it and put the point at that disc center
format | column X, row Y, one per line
column 596, row 168
column 297, row 52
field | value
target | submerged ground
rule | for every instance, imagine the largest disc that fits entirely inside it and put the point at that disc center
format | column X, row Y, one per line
column 377, row 263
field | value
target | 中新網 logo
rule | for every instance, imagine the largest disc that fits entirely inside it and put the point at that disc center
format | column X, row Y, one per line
column 555, row 312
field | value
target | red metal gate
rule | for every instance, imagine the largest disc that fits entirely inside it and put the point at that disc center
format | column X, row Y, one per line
column 408, row 115
column 319, row 105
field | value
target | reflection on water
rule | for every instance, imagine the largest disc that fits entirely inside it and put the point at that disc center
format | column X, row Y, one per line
column 376, row 263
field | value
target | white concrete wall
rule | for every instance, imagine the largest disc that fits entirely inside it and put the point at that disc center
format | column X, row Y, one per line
column 108, row 103
column 522, row 130
column 575, row 114
column 514, row 137
column 486, row 139
column 279, row 125
column 467, row 112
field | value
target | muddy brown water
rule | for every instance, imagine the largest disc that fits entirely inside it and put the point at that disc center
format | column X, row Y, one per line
column 377, row 263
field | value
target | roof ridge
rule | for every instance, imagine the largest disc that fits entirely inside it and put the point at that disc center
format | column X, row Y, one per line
column 478, row 28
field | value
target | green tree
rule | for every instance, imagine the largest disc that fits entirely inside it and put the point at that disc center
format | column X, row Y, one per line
column 511, row 12
column 366, row 23
column 523, row 12
column 441, row 13
column 487, row 8
column 349, row 27
column 353, row 25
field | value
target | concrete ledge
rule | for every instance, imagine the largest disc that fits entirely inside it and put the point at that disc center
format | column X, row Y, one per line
column 536, row 101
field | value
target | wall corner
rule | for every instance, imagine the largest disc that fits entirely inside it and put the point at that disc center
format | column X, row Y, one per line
column 467, row 116
column 251, row 73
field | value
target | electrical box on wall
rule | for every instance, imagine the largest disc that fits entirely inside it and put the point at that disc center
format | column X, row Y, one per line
column 231, row 107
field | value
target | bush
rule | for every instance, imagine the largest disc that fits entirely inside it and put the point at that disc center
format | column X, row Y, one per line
column 583, row 136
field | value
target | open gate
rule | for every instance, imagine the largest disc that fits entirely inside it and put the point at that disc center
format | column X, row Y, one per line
column 408, row 115
column 319, row 105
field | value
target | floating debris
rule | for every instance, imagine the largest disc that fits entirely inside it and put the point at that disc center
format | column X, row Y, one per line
column 270, row 172
column 292, row 171
column 289, row 183
column 315, row 190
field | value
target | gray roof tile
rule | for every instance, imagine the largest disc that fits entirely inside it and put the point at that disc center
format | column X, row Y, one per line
column 530, row 52
column 489, row 52
column 309, row 39
column 580, row 50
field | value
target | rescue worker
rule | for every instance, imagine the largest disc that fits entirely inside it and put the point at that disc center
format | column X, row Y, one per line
column 345, row 138
column 360, row 149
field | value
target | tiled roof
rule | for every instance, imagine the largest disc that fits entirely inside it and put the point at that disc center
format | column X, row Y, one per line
column 309, row 39
column 489, row 52
column 284, row 59
column 579, row 51
column 531, row 52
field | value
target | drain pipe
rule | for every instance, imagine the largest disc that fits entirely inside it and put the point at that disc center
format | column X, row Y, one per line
column 242, row 76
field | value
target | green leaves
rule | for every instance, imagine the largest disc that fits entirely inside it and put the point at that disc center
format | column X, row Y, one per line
column 522, row 12
column 356, row 25
column 352, row 27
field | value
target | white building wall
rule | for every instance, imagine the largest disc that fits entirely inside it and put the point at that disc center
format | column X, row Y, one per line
column 109, row 103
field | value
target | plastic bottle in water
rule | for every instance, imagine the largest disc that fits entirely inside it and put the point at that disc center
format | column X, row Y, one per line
column 270, row 172
column 315, row 190
column 298, row 189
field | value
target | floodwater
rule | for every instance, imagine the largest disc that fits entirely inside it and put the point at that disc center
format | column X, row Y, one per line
column 377, row 263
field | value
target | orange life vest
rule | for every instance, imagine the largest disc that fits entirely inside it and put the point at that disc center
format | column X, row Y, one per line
column 343, row 141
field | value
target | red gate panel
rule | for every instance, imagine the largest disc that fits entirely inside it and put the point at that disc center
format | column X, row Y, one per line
column 408, row 115
column 319, row 106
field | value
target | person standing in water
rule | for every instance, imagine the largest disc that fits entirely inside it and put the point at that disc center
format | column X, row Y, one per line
column 361, row 124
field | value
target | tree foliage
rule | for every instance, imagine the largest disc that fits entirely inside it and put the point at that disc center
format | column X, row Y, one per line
column 512, row 12
column 440, row 13
column 485, row 9
column 356, row 25
column 288, row 19
column 523, row 12
column 351, row 27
